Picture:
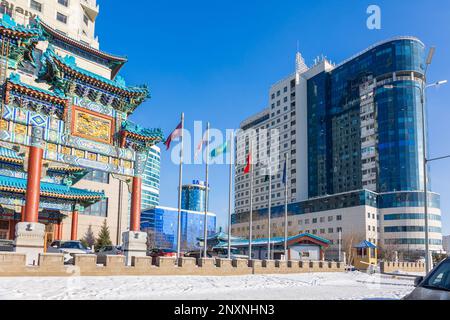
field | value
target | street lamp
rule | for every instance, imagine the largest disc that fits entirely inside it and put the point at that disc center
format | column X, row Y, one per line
column 422, row 88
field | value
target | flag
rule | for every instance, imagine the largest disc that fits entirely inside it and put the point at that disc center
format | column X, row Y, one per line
column 284, row 173
column 248, row 164
column 219, row 150
column 175, row 134
column 201, row 144
column 267, row 178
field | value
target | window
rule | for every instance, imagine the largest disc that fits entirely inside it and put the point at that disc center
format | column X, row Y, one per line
column 61, row 18
column 97, row 176
column 36, row 5
column 65, row 3
column 86, row 20
column 99, row 209
column 338, row 218
column 440, row 279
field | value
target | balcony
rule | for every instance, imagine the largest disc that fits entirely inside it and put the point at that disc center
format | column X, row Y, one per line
column 91, row 8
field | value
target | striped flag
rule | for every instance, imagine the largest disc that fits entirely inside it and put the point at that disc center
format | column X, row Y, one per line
column 175, row 134
column 203, row 143
column 220, row 150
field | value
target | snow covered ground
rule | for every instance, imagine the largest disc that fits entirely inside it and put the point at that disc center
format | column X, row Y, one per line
column 322, row 286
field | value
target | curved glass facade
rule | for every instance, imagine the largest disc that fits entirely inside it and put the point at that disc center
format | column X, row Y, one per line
column 408, row 199
column 150, row 179
column 337, row 142
column 193, row 196
column 400, row 146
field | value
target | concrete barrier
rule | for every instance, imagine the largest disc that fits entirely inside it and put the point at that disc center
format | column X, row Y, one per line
column 115, row 264
column 14, row 264
column 225, row 265
column 390, row 267
column 141, row 263
column 166, row 262
column 187, row 262
column 281, row 266
column 240, row 267
column 12, row 259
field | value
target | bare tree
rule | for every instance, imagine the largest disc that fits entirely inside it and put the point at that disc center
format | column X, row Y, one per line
column 349, row 240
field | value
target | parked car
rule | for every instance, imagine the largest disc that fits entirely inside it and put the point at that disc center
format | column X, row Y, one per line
column 434, row 286
column 156, row 252
column 199, row 254
column 223, row 253
column 108, row 251
column 7, row 245
column 69, row 249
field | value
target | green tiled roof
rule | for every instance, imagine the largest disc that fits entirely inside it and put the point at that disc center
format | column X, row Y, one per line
column 8, row 23
column 137, row 129
column 274, row 240
column 9, row 154
column 118, row 82
column 15, row 78
column 58, row 190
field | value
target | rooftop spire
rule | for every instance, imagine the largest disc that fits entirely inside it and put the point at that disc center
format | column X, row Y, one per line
column 300, row 65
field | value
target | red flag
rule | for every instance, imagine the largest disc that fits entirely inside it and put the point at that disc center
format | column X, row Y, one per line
column 175, row 134
column 248, row 165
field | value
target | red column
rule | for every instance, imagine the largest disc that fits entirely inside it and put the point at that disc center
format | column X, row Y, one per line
column 74, row 229
column 22, row 214
column 33, row 184
column 12, row 229
column 56, row 231
column 135, row 214
column 60, row 233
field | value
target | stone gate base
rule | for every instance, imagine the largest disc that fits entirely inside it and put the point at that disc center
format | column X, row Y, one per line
column 30, row 240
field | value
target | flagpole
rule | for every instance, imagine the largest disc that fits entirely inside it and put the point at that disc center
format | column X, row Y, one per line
column 269, row 210
column 229, row 195
column 179, row 189
column 286, row 155
column 251, row 203
column 205, row 231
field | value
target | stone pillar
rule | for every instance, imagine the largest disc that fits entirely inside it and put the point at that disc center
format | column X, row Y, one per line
column 30, row 233
column 134, row 241
column 74, row 226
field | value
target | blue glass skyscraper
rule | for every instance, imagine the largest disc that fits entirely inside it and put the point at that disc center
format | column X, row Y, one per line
column 150, row 179
column 193, row 196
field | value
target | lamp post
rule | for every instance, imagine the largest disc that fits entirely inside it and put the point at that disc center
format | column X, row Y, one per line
column 422, row 88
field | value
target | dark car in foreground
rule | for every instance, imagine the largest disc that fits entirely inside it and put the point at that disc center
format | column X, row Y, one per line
column 435, row 286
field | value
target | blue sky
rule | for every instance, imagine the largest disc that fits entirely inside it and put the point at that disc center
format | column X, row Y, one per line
column 215, row 60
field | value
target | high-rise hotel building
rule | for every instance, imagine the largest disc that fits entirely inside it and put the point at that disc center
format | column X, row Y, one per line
column 353, row 133
column 72, row 18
